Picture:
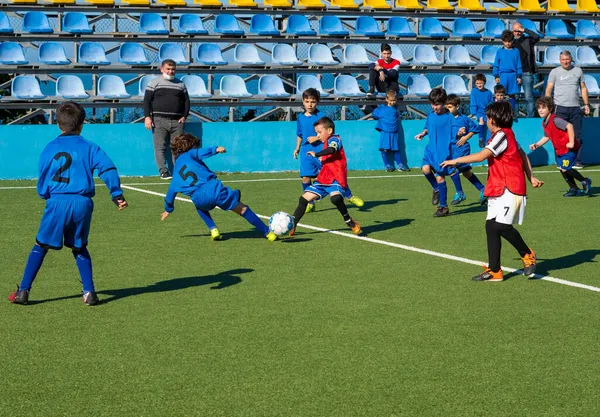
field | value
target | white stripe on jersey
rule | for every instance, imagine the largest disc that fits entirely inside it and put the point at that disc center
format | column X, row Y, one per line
column 498, row 143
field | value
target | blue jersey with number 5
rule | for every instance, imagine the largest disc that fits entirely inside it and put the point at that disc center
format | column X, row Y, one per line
column 67, row 166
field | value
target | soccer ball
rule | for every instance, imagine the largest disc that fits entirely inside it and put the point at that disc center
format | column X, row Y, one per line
column 281, row 223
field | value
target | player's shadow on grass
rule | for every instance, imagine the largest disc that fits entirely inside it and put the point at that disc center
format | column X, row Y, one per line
column 368, row 204
column 474, row 207
column 547, row 266
column 381, row 226
column 242, row 234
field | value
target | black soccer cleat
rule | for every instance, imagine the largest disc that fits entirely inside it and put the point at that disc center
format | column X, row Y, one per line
column 19, row 297
column 441, row 212
column 435, row 198
column 90, row 298
column 165, row 175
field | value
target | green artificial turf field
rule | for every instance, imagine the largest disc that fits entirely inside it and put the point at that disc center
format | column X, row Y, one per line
column 319, row 325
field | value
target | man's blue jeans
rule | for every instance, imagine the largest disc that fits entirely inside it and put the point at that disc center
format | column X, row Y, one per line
column 527, row 80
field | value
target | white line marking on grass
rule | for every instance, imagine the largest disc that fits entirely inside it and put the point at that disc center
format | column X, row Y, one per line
column 363, row 177
column 400, row 246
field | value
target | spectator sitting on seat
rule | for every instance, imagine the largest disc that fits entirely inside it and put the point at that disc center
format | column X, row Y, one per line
column 383, row 73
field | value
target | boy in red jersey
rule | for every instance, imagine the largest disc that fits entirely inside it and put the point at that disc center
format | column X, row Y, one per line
column 505, row 189
column 562, row 135
column 333, row 177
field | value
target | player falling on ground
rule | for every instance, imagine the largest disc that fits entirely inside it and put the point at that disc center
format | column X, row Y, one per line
column 193, row 178
column 333, row 177
column 505, row 189
column 566, row 145
column 66, row 181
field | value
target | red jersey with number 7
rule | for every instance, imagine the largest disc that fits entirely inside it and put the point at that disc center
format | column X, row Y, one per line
column 505, row 166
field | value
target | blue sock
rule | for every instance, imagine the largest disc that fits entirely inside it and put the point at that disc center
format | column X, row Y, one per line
column 443, row 194
column 34, row 263
column 456, row 180
column 255, row 221
column 84, row 264
column 385, row 158
column 482, row 132
column 207, row 219
column 398, row 160
column 475, row 181
column 431, row 178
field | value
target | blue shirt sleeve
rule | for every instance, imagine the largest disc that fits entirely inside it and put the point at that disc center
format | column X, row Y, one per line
column 496, row 66
column 376, row 113
column 299, row 127
column 170, row 198
column 472, row 127
column 203, row 153
column 106, row 171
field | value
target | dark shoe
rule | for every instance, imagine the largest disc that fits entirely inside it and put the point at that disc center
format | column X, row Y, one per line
column 371, row 91
column 482, row 143
column 489, row 275
column 482, row 199
column 587, row 185
column 165, row 175
column 19, row 297
column 403, row 169
column 441, row 212
column 573, row 192
column 435, row 198
column 389, row 169
column 458, row 198
column 90, row 298
column 578, row 165
column 529, row 263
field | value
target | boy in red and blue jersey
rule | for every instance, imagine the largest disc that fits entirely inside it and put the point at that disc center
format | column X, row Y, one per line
column 66, row 181
column 562, row 135
column 333, row 177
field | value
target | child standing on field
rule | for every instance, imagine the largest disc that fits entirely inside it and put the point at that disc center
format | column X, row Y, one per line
column 481, row 97
column 387, row 124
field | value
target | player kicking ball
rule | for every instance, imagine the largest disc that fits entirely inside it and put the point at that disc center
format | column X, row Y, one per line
column 505, row 190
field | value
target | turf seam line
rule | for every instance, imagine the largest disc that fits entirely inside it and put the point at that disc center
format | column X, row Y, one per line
column 401, row 246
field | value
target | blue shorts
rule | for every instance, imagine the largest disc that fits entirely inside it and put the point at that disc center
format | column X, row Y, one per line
column 388, row 141
column 67, row 220
column 458, row 151
column 215, row 194
column 323, row 190
column 436, row 168
column 566, row 161
column 309, row 166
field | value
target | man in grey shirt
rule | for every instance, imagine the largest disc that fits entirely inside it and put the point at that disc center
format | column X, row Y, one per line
column 566, row 81
column 166, row 106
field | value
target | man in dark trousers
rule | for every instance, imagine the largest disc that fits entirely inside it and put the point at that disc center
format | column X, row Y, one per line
column 383, row 73
column 166, row 106
column 526, row 46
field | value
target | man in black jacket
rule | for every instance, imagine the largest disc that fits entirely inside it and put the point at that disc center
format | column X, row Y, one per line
column 526, row 46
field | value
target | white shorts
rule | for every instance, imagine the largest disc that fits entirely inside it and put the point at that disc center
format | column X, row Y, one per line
column 507, row 209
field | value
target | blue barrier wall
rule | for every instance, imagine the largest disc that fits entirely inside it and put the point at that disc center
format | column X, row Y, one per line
column 252, row 147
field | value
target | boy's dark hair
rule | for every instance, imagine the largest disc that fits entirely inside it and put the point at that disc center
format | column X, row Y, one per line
column 547, row 102
column 501, row 113
column 326, row 122
column 480, row 77
column 453, row 99
column 183, row 143
column 391, row 94
column 386, row 47
column 70, row 117
column 168, row 62
column 499, row 88
column 438, row 96
column 507, row 36
column 311, row 93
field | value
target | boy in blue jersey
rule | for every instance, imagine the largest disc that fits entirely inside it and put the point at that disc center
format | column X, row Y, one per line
column 387, row 124
column 507, row 67
column 66, row 182
column 481, row 97
column 193, row 178
column 439, row 128
column 463, row 129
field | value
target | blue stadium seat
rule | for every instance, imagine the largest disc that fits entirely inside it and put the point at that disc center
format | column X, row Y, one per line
column 271, row 86
column 233, row 86
column 112, row 86
column 171, row 50
column 488, row 54
column 11, row 53
column 319, row 54
column 585, row 56
column 5, row 24
column 76, row 22
column 367, row 26
column 209, row 54
column 36, row 22
column 143, row 83
column 52, row 53
column 552, row 56
column 592, row 85
column 332, row 25
column 70, row 87
column 432, row 28
column 152, row 24
column 26, row 87
column 92, row 53
column 346, row 86
column 262, row 24
column 425, row 55
column 195, row 86
column 355, row 55
column 586, row 29
column 399, row 26
column 191, row 24
column 227, row 24
column 131, row 53
column 299, row 25
column 494, row 28
column 490, row 82
column 458, row 55
column 418, row 85
column 454, row 84
column 528, row 24
column 305, row 82
column 397, row 54
column 557, row 29
column 247, row 54
column 464, row 28
column 284, row 54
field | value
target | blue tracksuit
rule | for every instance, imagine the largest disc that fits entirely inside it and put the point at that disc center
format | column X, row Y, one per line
column 507, row 67
column 438, row 149
column 387, row 124
column 309, row 166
